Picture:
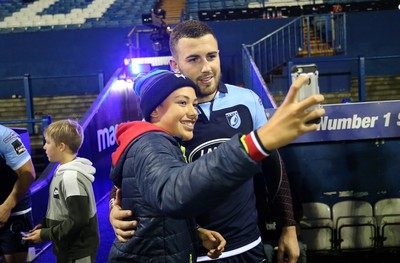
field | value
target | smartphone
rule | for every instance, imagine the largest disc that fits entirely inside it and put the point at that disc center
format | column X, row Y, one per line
column 24, row 234
column 310, row 88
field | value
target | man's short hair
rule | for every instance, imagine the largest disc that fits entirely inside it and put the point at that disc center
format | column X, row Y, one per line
column 188, row 29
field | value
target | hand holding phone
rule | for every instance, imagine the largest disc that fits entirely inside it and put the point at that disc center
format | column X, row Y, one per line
column 24, row 234
column 309, row 89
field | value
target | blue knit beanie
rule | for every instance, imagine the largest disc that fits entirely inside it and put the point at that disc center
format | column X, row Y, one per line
column 154, row 87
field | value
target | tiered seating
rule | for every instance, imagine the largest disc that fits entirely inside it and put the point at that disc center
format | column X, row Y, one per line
column 355, row 224
column 196, row 6
column 387, row 213
column 9, row 7
column 217, row 10
column 317, row 226
column 54, row 14
column 351, row 225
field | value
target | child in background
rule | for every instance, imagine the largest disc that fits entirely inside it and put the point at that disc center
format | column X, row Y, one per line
column 71, row 219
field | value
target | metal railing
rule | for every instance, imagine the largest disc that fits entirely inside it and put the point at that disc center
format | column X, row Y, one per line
column 253, row 80
column 44, row 121
column 27, row 85
column 362, row 68
column 305, row 36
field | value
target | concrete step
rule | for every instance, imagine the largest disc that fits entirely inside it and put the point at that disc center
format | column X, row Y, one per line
column 173, row 10
column 377, row 89
column 58, row 107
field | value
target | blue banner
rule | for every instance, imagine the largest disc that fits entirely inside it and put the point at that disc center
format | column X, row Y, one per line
column 116, row 104
column 355, row 121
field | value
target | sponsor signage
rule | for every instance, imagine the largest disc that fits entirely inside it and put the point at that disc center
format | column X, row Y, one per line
column 355, row 121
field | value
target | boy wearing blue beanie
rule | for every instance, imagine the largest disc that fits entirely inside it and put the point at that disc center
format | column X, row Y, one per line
column 165, row 191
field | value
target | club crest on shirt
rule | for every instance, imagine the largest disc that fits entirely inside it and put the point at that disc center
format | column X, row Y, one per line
column 56, row 194
column 233, row 119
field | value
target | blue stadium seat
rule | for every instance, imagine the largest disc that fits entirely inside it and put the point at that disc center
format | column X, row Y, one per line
column 71, row 14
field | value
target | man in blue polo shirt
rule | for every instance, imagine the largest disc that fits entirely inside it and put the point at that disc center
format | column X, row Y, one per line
column 224, row 110
column 16, row 175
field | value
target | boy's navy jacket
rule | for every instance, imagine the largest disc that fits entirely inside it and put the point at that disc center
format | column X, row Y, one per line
column 166, row 193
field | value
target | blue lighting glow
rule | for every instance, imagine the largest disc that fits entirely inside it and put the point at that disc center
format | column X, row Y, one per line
column 135, row 68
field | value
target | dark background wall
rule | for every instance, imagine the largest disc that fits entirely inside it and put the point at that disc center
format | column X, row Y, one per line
column 89, row 51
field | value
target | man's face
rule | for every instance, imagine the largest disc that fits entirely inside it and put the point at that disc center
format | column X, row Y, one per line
column 198, row 59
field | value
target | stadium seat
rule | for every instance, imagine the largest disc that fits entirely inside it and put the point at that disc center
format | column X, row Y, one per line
column 317, row 226
column 387, row 214
column 355, row 225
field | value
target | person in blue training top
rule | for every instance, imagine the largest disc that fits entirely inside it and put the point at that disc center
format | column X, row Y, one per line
column 224, row 110
column 16, row 176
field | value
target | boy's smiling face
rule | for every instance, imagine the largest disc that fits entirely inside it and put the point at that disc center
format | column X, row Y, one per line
column 177, row 114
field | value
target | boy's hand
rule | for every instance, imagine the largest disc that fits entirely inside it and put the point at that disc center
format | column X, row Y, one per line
column 290, row 121
column 38, row 226
column 123, row 230
column 33, row 236
column 213, row 241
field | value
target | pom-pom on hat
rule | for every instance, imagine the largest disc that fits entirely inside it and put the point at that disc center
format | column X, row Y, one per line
column 154, row 87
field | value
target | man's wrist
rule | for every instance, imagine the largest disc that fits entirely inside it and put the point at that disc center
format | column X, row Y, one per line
column 289, row 230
